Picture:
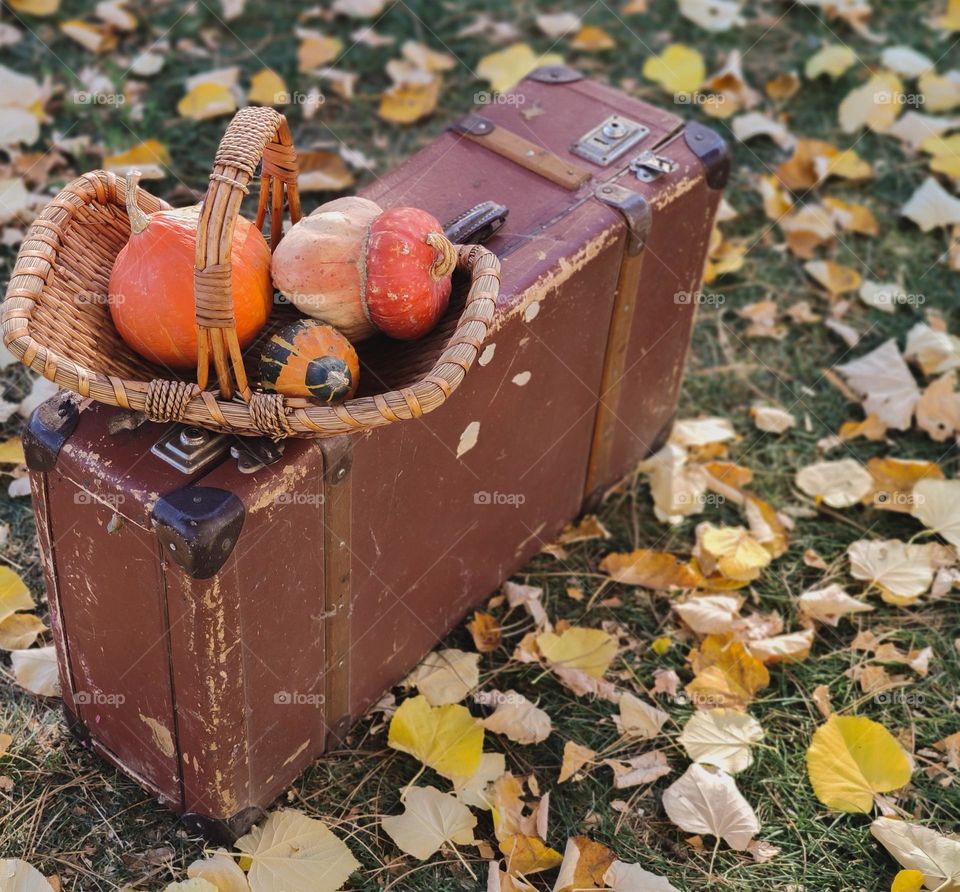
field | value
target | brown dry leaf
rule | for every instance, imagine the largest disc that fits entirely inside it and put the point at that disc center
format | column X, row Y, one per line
column 852, row 217
column 589, row 527
column 585, row 685
column 322, row 171
column 829, row 604
column 821, row 699
column 894, row 480
column 783, row 87
column 771, row 419
column 726, row 674
column 808, row 229
column 935, row 351
column 445, row 676
column 651, row 569
column 871, row 428
column 776, row 199
column 676, row 486
column 486, row 632
column 815, row 160
column 529, row 597
column 710, row 614
column 938, row 410
column 762, row 316
column 584, row 865
column 575, row 757
column 835, row 278
column 643, row 769
column 95, row 38
column 728, row 91
column 638, row 719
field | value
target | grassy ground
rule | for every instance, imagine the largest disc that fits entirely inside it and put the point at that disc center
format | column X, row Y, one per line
column 68, row 814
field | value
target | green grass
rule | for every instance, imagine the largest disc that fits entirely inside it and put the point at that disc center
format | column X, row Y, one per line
column 69, row 814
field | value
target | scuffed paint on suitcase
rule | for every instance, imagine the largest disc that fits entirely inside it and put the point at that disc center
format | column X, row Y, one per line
column 216, row 631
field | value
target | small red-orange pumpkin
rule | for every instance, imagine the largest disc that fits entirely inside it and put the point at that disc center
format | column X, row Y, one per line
column 310, row 359
column 363, row 269
column 151, row 286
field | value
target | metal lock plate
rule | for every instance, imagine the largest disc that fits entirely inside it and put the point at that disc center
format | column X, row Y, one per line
column 190, row 449
column 609, row 140
column 648, row 166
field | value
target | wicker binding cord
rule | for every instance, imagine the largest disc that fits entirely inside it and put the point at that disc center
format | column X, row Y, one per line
column 55, row 317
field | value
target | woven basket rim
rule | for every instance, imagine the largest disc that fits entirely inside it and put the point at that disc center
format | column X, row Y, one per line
column 166, row 399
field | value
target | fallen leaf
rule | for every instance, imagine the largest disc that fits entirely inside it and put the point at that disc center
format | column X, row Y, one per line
column 409, row 102
column 518, row 719
column 722, row 738
column 651, row 569
column 584, row 865
column 575, row 757
column 937, row 507
column 14, row 594
column 935, row 857
column 902, row 572
column 473, row 790
column 730, row 551
column 874, row 105
column 710, row 614
column 706, row 800
column 938, row 410
column 221, row 871
column 726, row 674
column 643, row 769
column 268, row 88
column 19, row 631
column 833, row 60
column 934, row 351
column 833, row 277
column 445, row 738
column 838, row 484
column 430, row 820
column 507, row 67
column 931, row 206
column 150, row 157
column 317, row 50
column 592, row 39
column 207, row 100
column 633, row 878
column 882, row 377
column 19, row 876
column 713, row 15
column 486, row 632
column 35, row 670
column 829, row 604
column 771, row 419
column 558, row 24
column 638, row 719
column 445, row 676
column 678, row 69
column 851, row 759
column 589, row 650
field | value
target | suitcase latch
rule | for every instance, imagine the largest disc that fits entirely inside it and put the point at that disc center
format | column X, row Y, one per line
column 609, row 140
column 191, row 449
column 648, row 166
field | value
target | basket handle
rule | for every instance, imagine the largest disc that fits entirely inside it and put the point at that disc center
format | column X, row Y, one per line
column 255, row 134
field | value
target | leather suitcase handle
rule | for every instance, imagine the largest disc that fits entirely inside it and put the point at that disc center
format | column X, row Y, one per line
column 521, row 151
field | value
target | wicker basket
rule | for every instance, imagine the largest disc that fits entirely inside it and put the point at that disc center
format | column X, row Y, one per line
column 56, row 320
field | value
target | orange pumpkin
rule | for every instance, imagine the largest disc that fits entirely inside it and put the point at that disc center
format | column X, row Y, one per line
column 364, row 270
column 310, row 359
column 151, row 286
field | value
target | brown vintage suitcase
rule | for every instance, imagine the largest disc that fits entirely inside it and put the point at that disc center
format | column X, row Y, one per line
column 218, row 623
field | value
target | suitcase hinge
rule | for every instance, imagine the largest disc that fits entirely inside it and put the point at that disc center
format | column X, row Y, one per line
column 635, row 210
column 198, row 527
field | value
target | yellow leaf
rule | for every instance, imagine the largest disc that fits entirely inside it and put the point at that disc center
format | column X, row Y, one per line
column 725, row 674
column 834, row 277
column 678, row 69
column 894, row 480
column 316, row 51
column 11, row 452
column 408, row 102
column 833, row 59
column 149, row 157
column 651, row 569
column 296, row 853
column 784, row 86
column 585, row 863
column 268, row 88
column 96, row 38
column 19, row 631
column 940, row 92
column 207, row 100
column 950, row 20
column 527, row 854
column 38, row 8
column 507, row 67
column 14, row 594
column 732, row 551
column 850, row 759
column 221, row 871
column 907, row 881
column 445, row 738
column 589, row 650
column 592, row 39
column 661, row 645
column 431, row 819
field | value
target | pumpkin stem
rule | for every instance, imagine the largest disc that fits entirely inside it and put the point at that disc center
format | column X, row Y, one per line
column 446, row 259
column 139, row 221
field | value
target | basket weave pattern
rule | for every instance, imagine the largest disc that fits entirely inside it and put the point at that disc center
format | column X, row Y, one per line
column 56, row 318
